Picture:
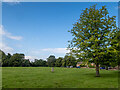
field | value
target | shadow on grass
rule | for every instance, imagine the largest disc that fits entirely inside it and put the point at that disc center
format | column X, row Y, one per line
column 104, row 75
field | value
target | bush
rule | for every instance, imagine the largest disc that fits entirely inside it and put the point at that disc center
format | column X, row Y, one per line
column 82, row 65
column 90, row 66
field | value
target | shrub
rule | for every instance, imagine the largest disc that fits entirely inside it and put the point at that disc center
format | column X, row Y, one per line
column 82, row 65
column 90, row 66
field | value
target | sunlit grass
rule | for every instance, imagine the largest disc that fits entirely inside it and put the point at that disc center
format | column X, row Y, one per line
column 42, row 77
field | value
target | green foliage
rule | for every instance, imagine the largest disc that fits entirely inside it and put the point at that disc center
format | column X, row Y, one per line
column 82, row 65
column 26, row 63
column 16, row 60
column 63, row 63
column 70, row 61
column 90, row 66
column 58, row 62
column 115, row 46
column 91, row 34
column 51, row 61
column 39, row 63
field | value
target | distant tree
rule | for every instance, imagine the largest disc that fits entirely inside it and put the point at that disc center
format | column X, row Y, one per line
column 63, row 63
column 9, row 56
column 44, row 63
column 58, row 62
column 3, row 58
column 26, row 63
column 91, row 34
column 16, row 60
column 70, row 61
column 39, row 63
column 51, row 61
column 0, row 58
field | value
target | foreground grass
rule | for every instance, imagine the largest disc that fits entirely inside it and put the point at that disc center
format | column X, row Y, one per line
column 42, row 77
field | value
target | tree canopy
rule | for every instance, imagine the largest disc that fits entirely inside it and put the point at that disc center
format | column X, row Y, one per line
column 92, row 34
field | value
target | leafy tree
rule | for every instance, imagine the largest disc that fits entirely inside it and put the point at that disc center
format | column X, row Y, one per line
column 3, row 58
column 0, row 58
column 70, row 60
column 58, row 62
column 51, row 61
column 91, row 34
column 115, row 47
column 39, row 62
column 9, row 56
column 16, row 60
column 26, row 63
column 106, row 59
column 63, row 63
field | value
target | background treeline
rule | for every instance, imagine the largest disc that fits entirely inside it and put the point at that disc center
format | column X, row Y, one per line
column 18, row 60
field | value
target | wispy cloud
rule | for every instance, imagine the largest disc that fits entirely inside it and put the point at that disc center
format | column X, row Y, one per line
column 31, row 58
column 46, row 52
column 3, row 32
column 6, row 48
column 3, row 46
column 56, row 50
column 17, row 1
column 11, row 2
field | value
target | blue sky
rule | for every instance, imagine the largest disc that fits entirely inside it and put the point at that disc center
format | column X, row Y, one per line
column 41, row 29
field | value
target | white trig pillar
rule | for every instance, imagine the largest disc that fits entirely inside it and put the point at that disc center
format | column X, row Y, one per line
column 52, row 70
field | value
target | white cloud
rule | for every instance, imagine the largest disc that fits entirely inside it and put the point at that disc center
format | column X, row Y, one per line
column 56, row 50
column 11, row 2
column 31, row 58
column 16, row 1
column 6, row 48
column 8, row 35
column 13, row 37
column 46, row 52
column 3, row 46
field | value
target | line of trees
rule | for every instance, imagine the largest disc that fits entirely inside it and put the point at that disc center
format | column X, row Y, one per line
column 18, row 60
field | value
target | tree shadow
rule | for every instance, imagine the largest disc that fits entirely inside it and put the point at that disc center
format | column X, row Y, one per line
column 104, row 75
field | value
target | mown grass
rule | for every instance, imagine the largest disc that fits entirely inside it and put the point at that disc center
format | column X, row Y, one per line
column 42, row 77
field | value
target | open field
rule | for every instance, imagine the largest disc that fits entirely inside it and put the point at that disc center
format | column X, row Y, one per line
column 42, row 77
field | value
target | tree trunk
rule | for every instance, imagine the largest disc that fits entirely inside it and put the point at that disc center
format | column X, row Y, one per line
column 106, row 67
column 97, row 70
column 119, row 67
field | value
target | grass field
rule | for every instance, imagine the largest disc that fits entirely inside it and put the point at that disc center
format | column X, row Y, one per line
column 42, row 77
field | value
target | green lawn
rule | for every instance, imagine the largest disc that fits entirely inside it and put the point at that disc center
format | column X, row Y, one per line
column 42, row 77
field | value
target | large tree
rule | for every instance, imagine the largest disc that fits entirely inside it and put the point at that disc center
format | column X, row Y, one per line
column 115, row 47
column 91, row 34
